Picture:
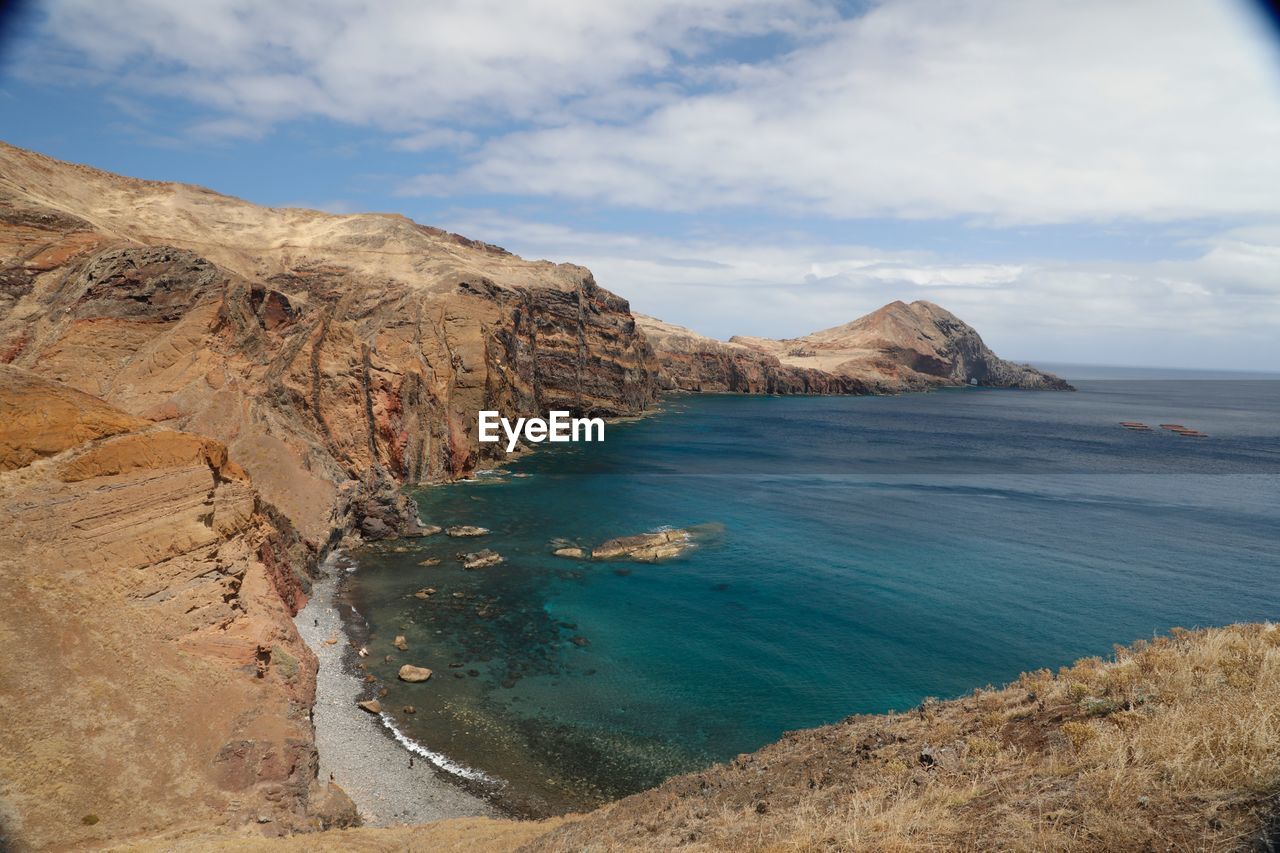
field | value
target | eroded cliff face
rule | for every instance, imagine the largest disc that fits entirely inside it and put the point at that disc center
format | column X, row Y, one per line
column 153, row 677
column 336, row 356
column 897, row 348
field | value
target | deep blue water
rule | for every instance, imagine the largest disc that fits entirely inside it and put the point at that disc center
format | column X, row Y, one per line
column 863, row 553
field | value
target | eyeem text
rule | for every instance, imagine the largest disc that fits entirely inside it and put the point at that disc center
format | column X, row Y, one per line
column 558, row 427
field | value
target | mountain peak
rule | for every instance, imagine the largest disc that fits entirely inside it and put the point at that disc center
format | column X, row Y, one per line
column 897, row 347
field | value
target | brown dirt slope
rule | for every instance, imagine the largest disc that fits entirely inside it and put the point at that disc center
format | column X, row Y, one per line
column 459, row 835
column 152, row 676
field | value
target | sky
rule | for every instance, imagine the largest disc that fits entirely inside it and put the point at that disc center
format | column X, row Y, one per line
column 1091, row 182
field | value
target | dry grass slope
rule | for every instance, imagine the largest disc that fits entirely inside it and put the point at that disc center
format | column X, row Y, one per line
column 1174, row 744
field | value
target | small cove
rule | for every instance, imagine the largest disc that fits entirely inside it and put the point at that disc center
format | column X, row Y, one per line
column 860, row 554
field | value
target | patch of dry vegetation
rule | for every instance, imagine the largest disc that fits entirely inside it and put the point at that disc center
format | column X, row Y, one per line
column 1172, row 744
column 459, row 835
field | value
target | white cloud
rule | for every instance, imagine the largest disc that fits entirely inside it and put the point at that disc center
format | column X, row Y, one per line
column 990, row 110
column 1028, row 111
column 226, row 128
column 1218, row 308
column 398, row 64
column 434, row 138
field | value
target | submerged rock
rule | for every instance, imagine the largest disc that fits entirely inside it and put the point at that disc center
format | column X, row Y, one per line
column 570, row 553
column 467, row 530
column 430, row 561
column 425, row 593
column 414, row 674
column 480, row 559
column 645, row 547
column 400, row 643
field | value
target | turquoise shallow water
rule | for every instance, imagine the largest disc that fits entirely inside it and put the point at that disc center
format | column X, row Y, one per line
column 860, row 554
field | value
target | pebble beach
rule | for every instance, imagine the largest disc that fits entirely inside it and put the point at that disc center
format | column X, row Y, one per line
column 355, row 746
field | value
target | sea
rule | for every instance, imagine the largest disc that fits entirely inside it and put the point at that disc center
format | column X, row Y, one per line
column 853, row 555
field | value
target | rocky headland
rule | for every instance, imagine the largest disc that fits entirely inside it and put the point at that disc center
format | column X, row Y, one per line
column 896, row 348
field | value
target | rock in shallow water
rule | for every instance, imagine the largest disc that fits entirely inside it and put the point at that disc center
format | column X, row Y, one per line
column 570, row 553
column 480, row 559
column 373, row 706
column 466, row 531
column 645, row 547
column 414, row 674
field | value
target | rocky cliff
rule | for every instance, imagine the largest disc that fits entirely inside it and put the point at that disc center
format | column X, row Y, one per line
column 897, row 348
column 152, row 674
column 336, row 356
column 201, row 398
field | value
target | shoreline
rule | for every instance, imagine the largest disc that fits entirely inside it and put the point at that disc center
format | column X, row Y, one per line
column 356, row 747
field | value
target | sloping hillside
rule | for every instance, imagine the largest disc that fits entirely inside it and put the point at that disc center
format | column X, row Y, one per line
column 199, row 399
column 1172, row 745
column 336, row 356
column 896, row 348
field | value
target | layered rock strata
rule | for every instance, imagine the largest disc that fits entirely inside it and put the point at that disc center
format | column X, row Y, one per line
column 152, row 674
